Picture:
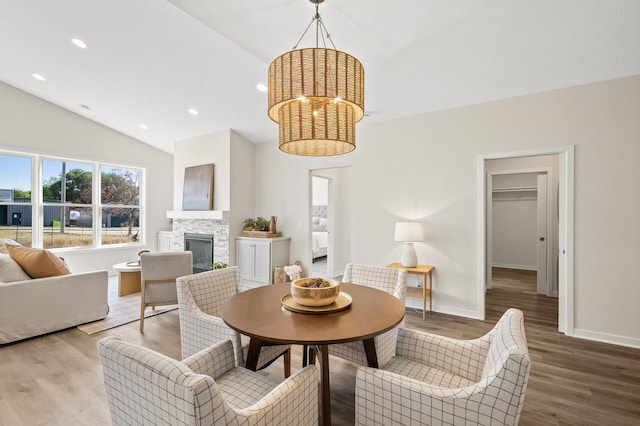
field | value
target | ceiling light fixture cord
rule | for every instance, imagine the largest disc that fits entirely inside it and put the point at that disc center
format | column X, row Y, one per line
column 305, row 31
column 321, row 31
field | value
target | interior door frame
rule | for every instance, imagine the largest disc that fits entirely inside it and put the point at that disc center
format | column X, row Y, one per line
column 565, row 230
column 547, row 178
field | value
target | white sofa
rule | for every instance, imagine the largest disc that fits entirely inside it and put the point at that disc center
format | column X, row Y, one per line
column 36, row 306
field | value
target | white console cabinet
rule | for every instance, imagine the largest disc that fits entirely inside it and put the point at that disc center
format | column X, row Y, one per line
column 258, row 257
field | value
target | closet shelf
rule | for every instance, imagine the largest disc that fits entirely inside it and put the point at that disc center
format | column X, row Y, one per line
column 515, row 189
column 516, row 199
column 515, row 194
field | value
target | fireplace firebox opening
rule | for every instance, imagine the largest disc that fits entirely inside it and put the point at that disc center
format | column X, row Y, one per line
column 201, row 247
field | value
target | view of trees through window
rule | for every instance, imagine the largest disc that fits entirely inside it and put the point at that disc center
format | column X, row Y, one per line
column 120, row 199
column 70, row 204
column 67, row 192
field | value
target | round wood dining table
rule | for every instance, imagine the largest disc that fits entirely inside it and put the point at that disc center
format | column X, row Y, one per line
column 259, row 314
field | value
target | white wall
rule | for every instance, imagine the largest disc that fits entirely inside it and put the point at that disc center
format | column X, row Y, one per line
column 514, row 224
column 514, row 234
column 233, row 186
column 425, row 168
column 320, row 187
column 242, row 188
column 212, row 148
column 31, row 125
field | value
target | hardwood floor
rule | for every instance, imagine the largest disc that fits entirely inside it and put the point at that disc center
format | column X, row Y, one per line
column 57, row 379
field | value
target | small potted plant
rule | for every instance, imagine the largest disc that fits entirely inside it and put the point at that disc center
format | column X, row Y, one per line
column 257, row 224
column 219, row 265
column 256, row 227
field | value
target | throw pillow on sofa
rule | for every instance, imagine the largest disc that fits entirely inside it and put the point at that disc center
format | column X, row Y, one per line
column 4, row 242
column 38, row 263
column 10, row 271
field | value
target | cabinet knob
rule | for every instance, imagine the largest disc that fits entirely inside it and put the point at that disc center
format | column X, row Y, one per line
column 541, row 238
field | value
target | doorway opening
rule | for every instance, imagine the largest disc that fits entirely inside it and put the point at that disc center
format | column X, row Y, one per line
column 320, row 225
column 330, row 221
column 522, row 220
column 551, row 238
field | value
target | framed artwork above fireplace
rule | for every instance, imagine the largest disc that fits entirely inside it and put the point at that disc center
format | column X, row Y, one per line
column 197, row 192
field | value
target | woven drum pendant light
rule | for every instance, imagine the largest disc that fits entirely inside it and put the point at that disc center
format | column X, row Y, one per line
column 316, row 95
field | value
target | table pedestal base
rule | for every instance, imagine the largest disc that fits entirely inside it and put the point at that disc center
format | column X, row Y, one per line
column 323, row 350
column 129, row 282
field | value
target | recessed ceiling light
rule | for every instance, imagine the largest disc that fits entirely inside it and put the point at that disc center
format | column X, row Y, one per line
column 144, row 127
column 261, row 87
column 81, row 44
column 193, row 111
column 38, row 77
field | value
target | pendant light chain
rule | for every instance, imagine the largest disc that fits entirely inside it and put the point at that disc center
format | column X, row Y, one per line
column 321, row 31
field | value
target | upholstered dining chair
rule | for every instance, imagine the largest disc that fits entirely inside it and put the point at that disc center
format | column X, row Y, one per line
column 390, row 280
column 147, row 388
column 200, row 301
column 158, row 272
column 438, row 380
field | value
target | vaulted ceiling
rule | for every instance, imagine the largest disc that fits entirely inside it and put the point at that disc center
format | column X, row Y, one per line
column 149, row 61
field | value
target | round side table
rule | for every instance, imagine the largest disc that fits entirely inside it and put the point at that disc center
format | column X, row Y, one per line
column 129, row 280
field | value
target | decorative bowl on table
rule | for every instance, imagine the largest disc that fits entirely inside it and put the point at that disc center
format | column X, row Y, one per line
column 315, row 291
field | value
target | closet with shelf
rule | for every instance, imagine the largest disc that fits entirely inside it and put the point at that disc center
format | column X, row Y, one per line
column 514, row 193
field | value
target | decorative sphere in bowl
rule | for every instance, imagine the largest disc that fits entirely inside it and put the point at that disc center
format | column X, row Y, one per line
column 315, row 291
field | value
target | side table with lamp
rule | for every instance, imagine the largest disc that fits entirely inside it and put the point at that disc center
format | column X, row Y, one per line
column 408, row 233
column 427, row 283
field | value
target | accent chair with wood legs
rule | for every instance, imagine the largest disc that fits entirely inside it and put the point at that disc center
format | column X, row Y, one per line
column 437, row 380
column 392, row 281
column 158, row 273
column 200, row 300
column 147, row 388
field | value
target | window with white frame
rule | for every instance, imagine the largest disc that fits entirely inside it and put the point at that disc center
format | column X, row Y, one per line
column 15, row 198
column 74, row 196
column 120, row 203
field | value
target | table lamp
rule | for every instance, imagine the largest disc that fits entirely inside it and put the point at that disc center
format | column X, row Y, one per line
column 409, row 232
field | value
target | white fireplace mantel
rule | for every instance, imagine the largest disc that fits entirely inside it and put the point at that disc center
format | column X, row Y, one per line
column 199, row 214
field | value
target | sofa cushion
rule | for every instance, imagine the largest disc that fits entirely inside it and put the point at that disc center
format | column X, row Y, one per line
column 38, row 263
column 10, row 271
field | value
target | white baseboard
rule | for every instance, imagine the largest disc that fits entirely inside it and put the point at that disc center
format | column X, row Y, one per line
column 510, row 266
column 607, row 338
column 417, row 305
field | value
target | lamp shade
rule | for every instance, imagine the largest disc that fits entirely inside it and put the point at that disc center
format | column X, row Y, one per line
column 316, row 95
column 409, row 232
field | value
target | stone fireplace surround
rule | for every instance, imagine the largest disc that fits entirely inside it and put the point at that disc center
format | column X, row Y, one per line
column 218, row 227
